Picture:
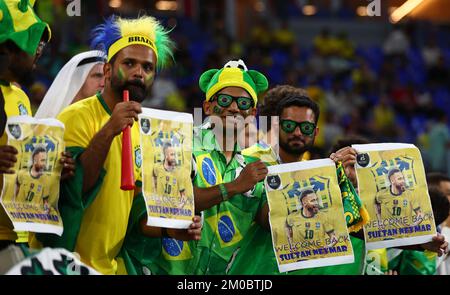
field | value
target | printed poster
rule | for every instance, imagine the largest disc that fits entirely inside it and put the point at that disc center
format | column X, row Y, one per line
column 307, row 216
column 30, row 195
column 392, row 185
column 166, row 143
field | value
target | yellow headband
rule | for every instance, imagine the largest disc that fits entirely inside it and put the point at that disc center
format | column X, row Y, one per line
column 130, row 40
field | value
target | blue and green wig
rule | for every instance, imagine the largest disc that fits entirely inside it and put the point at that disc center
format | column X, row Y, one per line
column 117, row 33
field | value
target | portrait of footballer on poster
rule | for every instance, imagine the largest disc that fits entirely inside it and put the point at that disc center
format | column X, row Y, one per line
column 306, row 215
column 30, row 195
column 166, row 143
column 393, row 186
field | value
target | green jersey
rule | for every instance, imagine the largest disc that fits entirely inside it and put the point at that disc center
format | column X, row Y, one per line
column 224, row 225
column 258, row 248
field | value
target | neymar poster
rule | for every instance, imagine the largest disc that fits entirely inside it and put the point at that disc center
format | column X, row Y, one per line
column 30, row 195
column 166, row 143
column 307, row 216
column 392, row 185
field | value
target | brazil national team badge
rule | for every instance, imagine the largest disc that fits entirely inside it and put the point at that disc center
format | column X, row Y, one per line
column 145, row 125
column 166, row 168
column 393, row 187
column 306, row 214
column 137, row 156
column 30, row 195
column 22, row 110
column 15, row 130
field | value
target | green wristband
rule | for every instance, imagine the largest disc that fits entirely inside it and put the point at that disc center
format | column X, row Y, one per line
column 223, row 192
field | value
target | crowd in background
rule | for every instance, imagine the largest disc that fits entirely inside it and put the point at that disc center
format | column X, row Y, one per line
column 397, row 91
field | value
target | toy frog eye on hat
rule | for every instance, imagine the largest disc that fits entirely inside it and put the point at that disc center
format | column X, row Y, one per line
column 234, row 73
column 19, row 24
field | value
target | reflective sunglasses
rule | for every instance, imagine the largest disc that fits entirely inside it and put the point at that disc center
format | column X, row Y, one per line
column 225, row 100
column 307, row 128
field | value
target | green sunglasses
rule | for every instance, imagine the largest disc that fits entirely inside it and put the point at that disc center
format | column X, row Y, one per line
column 307, row 128
column 225, row 100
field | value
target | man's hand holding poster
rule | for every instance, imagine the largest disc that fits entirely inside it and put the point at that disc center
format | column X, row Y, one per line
column 392, row 184
column 306, row 215
column 166, row 143
column 30, row 194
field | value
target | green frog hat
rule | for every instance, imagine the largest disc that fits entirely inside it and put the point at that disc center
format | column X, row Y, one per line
column 21, row 25
column 233, row 73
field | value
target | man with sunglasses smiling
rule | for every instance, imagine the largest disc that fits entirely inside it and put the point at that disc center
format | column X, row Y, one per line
column 227, row 190
column 298, row 116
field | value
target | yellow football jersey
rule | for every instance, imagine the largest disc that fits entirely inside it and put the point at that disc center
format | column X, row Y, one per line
column 32, row 189
column 310, row 229
column 16, row 104
column 105, row 221
column 169, row 184
column 394, row 207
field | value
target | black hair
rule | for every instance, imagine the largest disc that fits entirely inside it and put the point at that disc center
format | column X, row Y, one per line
column 38, row 150
column 306, row 192
column 392, row 172
column 299, row 101
column 166, row 146
column 440, row 205
column 280, row 97
column 434, row 179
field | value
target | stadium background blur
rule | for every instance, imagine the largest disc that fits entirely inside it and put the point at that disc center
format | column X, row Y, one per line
column 384, row 81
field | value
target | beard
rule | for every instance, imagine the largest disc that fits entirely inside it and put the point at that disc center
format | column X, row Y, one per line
column 296, row 149
column 136, row 89
column 23, row 75
column 401, row 187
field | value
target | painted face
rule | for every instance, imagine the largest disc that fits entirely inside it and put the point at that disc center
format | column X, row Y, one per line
column 232, row 116
column 134, row 70
column 296, row 142
column 95, row 81
column 311, row 203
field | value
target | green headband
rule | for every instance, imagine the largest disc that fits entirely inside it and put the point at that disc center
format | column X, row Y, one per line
column 21, row 25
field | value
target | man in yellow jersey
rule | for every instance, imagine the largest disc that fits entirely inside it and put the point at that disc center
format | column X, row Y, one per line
column 33, row 185
column 22, row 38
column 166, row 178
column 94, row 209
column 309, row 224
column 396, row 205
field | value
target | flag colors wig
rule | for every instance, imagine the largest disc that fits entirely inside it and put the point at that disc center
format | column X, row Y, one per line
column 117, row 33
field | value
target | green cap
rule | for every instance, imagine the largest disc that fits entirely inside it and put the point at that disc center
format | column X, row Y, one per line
column 20, row 24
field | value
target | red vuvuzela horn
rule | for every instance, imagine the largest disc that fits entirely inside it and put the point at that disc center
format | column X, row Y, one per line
column 127, row 179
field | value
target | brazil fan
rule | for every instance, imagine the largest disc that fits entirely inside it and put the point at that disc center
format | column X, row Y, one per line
column 20, row 48
column 94, row 209
column 227, row 188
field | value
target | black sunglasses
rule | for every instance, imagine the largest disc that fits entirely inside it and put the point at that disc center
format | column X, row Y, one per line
column 225, row 100
column 307, row 128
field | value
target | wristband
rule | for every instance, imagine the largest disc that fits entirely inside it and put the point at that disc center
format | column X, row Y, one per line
column 223, row 192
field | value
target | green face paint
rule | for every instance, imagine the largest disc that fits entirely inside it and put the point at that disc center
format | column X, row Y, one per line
column 217, row 110
column 149, row 78
column 121, row 74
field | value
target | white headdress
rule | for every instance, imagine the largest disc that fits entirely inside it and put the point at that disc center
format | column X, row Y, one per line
column 68, row 82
